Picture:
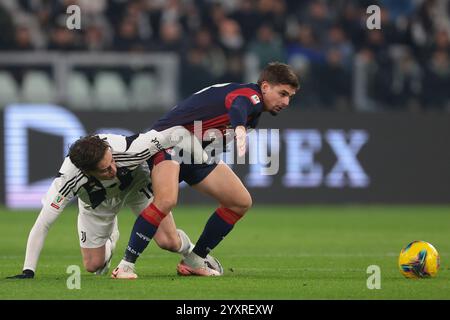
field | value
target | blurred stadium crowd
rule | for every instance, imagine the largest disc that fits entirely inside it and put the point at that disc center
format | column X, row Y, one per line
column 342, row 65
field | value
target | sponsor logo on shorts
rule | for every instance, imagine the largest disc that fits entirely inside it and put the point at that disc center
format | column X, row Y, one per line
column 83, row 236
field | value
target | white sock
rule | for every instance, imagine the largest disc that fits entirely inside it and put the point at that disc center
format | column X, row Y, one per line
column 194, row 260
column 115, row 234
column 186, row 244
column 124, row 263
column 108, row 250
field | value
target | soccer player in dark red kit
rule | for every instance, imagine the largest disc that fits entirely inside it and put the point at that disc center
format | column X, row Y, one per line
column 222, row 106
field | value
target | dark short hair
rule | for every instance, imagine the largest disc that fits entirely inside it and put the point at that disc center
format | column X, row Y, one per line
column 87, row 152
column 277, row 73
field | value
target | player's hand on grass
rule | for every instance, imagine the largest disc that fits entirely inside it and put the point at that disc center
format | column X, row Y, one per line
column 26, row 274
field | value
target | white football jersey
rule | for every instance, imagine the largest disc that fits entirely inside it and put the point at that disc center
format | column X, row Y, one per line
column 130, row 155
column 98, row 197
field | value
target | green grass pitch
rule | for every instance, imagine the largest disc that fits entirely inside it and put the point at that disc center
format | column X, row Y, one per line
column 304, row 252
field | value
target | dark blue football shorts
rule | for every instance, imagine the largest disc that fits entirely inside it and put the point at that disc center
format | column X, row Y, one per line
column 190, row 173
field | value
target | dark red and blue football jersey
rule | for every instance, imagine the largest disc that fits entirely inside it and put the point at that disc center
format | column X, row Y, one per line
column 220, row 106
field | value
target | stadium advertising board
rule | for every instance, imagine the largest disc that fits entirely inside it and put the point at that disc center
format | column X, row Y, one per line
column 296, row 157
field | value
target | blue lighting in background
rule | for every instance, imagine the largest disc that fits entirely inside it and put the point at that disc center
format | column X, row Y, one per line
column 18, row 118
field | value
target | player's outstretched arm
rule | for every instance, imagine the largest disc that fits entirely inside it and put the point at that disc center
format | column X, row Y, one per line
column 177, row 136
column 38, row 233
column 35, row 243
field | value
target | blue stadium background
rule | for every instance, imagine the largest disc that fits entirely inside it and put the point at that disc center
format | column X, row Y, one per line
column 383, row 90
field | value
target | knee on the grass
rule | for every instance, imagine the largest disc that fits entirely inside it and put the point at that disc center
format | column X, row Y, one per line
column 170, row 242
column 92, row 265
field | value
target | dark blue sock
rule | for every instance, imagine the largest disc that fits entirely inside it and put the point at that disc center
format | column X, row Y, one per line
column 143, row 232
column 214, row 232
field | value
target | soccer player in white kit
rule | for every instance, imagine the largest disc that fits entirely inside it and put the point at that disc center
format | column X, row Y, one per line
column 107, row 172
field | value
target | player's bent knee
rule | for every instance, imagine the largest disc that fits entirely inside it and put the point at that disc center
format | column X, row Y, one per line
column 242, row 205
column 170, row 243
column 92, row 265
column 247, row 204
column 165, row 205
column 169, row 246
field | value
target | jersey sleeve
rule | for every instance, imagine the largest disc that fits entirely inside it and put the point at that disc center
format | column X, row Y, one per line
column 63, row 188
column 37, row 237
column 253, row 122
column 239, row 111
column 145, row 145
column 54, row 201
column 241, row 104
